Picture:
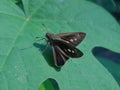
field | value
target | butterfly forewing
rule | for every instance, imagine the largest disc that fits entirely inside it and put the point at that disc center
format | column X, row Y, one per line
column 73, row 38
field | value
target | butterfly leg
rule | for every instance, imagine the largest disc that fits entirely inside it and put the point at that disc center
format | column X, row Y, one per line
column 45, row 47
column 39, row 38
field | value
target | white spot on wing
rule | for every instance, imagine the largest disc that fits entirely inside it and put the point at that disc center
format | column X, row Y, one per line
column 73, row 51
column 67, row 41
column 69, row 50
column 71, row 40
column 75, row 39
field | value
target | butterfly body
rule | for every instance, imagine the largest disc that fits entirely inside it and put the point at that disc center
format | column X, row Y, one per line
column 52, row 38
column 64, row 46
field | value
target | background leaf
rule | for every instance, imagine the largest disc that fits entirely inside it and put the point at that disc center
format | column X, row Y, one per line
column 113, row 6
column 23, row 66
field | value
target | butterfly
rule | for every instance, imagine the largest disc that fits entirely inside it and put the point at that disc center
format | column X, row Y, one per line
column 64, row 46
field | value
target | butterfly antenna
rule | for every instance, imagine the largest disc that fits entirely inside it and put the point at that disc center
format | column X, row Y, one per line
column 26, row 48
column 38, row 38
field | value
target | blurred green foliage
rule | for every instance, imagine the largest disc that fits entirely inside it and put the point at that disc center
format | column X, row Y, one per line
column 113, row 6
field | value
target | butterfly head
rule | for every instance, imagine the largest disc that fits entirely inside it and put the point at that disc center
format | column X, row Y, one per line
column 50, row 37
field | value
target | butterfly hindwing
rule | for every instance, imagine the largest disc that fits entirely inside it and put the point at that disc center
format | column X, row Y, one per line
column 68, row 49
column 74, row 38
column 59, row 57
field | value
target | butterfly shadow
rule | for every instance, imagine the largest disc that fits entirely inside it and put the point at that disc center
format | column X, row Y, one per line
column 47, row 54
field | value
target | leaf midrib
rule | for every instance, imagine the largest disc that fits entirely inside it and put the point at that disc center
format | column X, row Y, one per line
column 17, row 36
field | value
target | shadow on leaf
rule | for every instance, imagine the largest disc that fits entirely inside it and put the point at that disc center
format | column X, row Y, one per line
column 47, row 53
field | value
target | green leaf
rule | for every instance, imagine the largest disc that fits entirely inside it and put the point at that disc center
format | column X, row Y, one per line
column 22, row 64
column 110, row 59
column 49, row 84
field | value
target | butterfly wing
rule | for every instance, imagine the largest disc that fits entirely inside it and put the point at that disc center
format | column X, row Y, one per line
column 74, row 38
column 64, row 46
column 59, row 56
column 68, row 49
